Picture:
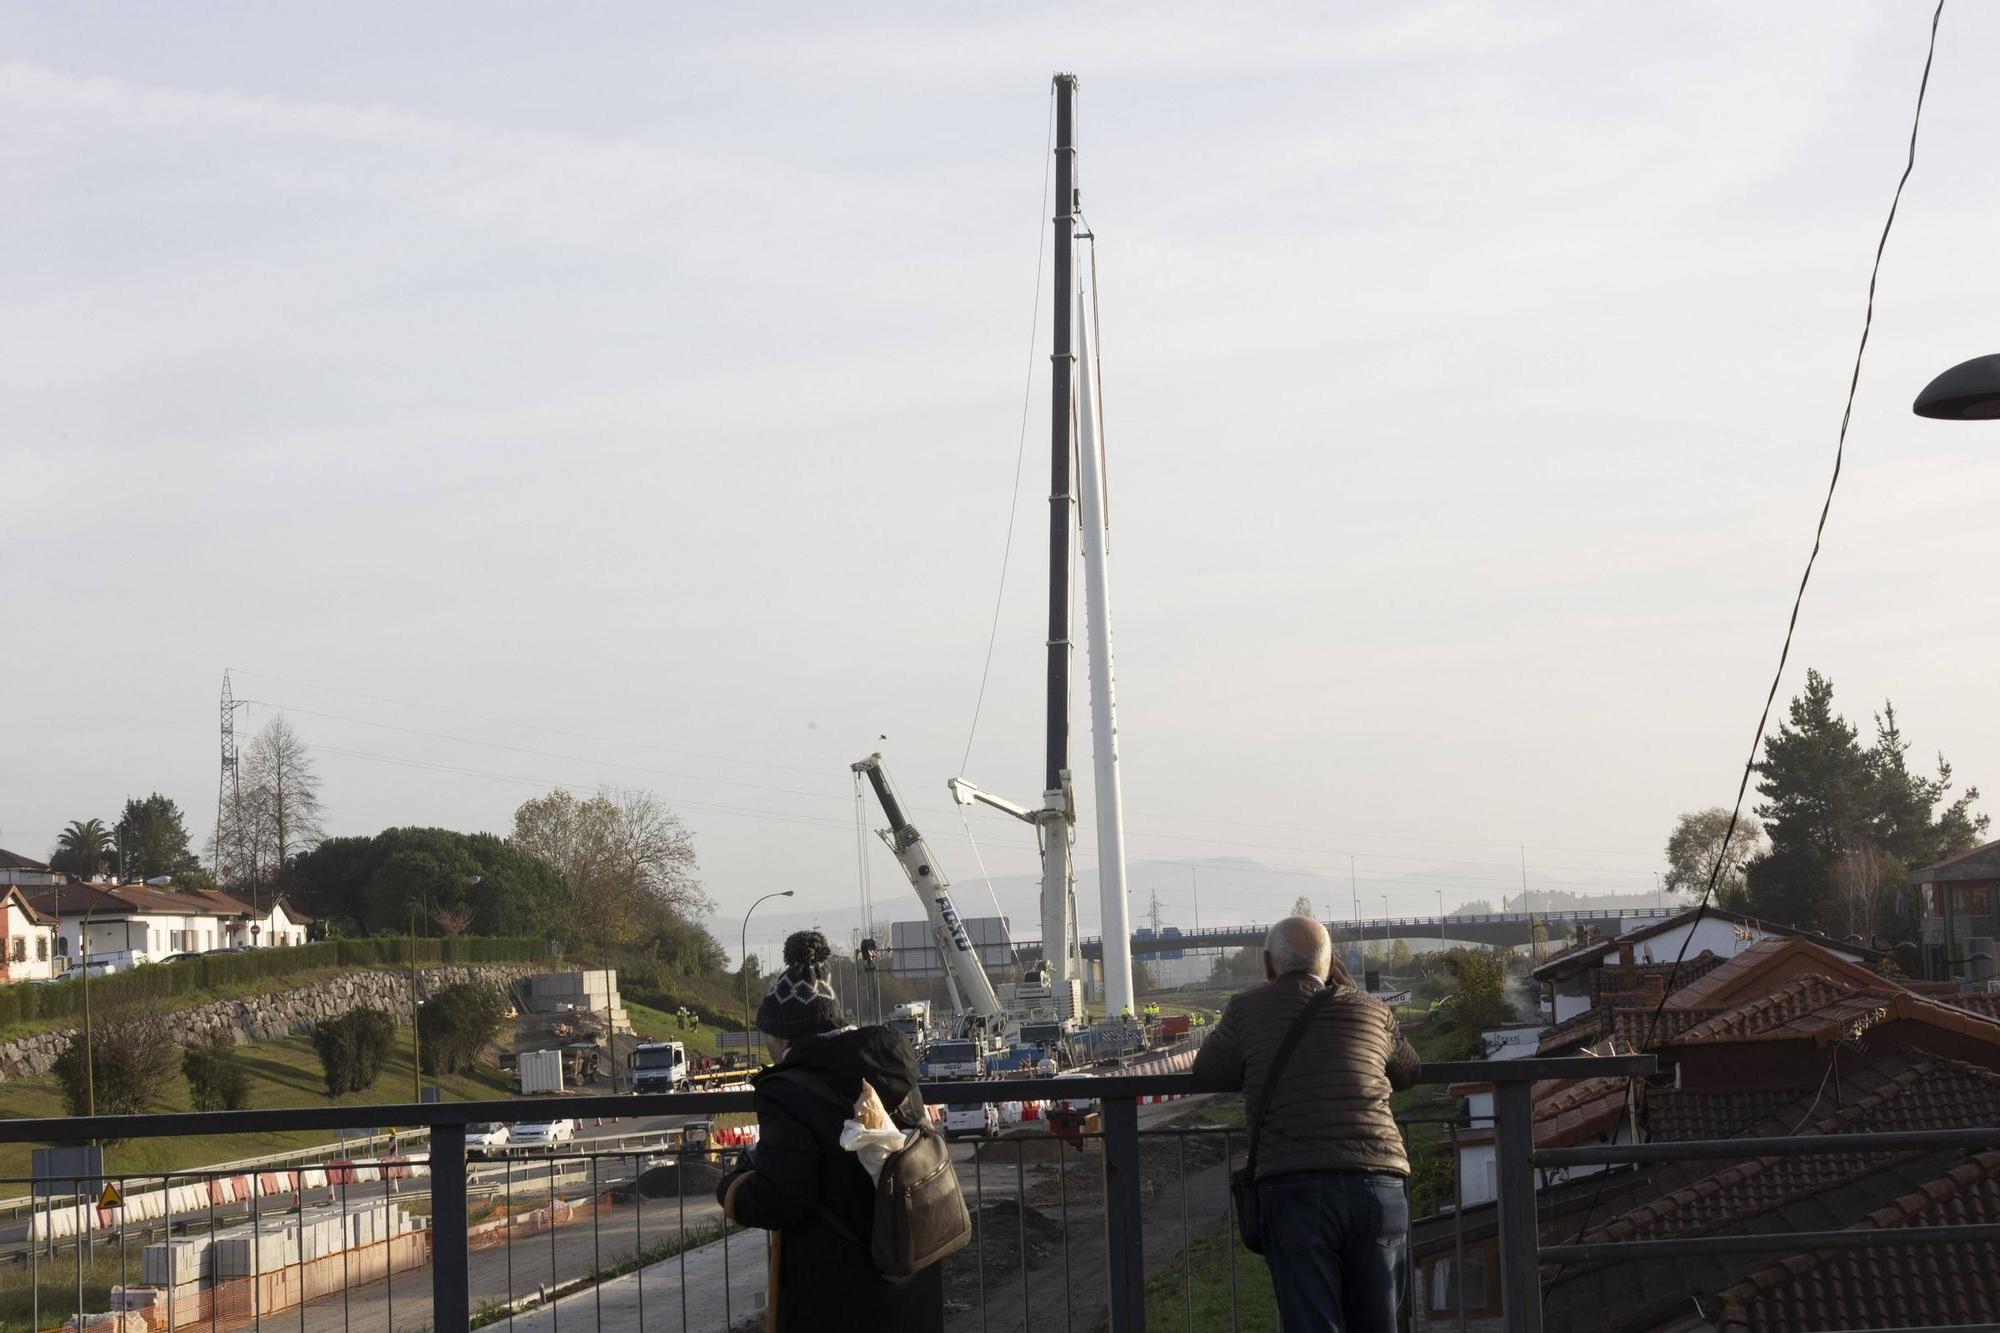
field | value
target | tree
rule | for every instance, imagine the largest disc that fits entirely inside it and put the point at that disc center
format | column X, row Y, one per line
column 1478, row 996
column 153, row 840
column 274, row 813
column 1834, row 809
column 216, row 1078
column 455, row 1024
column 1477, row 907
column 82, row 848
column 621, row 855
column 1399, row 954
column 1302, row 906
column 353, row 1049
column 131, row 1061
column 370, row 884
column 1696, row 843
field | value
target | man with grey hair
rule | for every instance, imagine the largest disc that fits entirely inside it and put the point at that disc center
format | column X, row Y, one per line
column 1330, row 1166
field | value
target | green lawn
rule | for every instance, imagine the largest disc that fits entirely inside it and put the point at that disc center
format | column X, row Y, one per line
column 283, row 1073
column 1200, row 1280
column 654, row 1025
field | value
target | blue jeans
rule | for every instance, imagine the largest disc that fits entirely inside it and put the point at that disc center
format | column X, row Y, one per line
column 1337, row 1244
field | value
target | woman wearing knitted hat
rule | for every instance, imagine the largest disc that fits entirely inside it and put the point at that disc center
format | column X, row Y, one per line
column 800, row 1184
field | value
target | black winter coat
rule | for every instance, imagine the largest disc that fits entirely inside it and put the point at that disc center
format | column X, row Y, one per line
column 825, row 1281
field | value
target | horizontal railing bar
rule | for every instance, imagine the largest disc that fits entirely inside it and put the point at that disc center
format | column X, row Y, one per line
column 516, row 1110
column 1796, row 1145
column 1538, row 1069
column 1700, row 1247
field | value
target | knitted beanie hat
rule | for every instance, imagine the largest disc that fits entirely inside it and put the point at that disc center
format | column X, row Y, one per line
column 801, row 1002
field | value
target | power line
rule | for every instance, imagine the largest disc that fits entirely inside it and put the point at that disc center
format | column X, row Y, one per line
column 1798, row 598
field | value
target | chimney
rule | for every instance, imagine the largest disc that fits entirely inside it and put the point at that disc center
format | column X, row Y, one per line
column 1625, row 954
column 1653, row 988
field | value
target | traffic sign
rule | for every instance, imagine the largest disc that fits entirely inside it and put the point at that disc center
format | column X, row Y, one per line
column 110, row 1198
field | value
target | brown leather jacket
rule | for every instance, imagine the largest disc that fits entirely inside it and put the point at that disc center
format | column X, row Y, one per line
column 1331, row 1112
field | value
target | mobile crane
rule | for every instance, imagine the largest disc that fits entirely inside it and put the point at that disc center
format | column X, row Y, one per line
column 976, row 1009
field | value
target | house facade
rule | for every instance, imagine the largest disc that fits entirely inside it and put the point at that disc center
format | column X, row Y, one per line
column 1958, row 908
column 27, row 939
column 123, row 925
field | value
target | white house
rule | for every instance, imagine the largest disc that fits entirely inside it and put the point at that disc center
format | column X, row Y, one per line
column 27, row 872
column 141, row 923
column 27, row 939
column 1566, row 978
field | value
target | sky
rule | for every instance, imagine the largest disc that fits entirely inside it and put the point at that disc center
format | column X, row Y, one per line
column 632, row 396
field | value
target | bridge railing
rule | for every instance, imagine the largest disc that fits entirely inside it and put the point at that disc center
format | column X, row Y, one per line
column 626, row 1235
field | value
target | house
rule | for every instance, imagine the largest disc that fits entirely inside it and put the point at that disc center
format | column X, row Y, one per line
column 27, row 939
column 1787, row 1036
column 1566, row 979
column 27, row 872
column 140, row 923
column 1958, row 910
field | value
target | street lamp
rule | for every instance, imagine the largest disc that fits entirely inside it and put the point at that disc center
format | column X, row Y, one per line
column 1440, row 920
column 745, row 962
column 1969, row 391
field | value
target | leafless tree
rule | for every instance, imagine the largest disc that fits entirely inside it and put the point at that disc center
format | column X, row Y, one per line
column 620, row 853
column 275, row 811
column 1863, row 879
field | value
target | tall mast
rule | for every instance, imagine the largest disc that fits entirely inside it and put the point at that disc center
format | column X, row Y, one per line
column 1057, row 816
column 1110, row 803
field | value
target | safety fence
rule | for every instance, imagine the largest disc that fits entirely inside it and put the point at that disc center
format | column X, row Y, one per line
column 1108, row 1210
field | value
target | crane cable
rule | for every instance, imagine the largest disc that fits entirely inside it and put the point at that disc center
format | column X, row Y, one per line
column 1021, row 446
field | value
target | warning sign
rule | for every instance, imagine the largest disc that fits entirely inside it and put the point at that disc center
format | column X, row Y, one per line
column 110, row 1198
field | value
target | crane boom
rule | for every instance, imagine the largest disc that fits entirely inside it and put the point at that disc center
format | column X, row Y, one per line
column 961, row 960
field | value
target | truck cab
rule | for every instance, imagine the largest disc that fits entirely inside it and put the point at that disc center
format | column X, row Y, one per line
column 659, row 1066
column 954, row 1059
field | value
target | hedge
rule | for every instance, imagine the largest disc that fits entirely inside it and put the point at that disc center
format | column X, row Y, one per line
column 152, row 982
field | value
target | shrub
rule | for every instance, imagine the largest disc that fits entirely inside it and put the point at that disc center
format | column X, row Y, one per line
column 353, row 1049
column 131, row 1059
column 216, row 1078
column 456, row 1023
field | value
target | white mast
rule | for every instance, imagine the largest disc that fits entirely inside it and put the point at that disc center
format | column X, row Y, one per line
column 1116, row 909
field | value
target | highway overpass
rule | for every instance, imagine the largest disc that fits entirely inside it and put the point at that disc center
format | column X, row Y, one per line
column 1503, row 928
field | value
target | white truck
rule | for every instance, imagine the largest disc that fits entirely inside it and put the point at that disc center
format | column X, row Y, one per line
column 659, row 1066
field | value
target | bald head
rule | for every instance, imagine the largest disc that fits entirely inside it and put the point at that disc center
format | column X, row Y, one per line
column 1298, row 944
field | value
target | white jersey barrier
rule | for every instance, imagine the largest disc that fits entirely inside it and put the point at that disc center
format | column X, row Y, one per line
column 194, row 1198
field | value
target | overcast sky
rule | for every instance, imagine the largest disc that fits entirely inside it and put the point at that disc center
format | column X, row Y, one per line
column 521, row 395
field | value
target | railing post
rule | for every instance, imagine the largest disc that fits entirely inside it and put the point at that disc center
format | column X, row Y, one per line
column 1520, row 1267
column 451, row 1283
column 1124, row 1243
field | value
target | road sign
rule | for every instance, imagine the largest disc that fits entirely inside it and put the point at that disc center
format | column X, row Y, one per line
column 64, row 1171
column 110, row 1198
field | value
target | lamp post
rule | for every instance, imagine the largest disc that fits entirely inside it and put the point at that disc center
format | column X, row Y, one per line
column 416, row 1037
column 89, row 1052
column 1969, row 391
column 744, row 956
column 1440, row 920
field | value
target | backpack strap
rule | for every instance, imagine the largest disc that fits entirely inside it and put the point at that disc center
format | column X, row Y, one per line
column 1293, row 1035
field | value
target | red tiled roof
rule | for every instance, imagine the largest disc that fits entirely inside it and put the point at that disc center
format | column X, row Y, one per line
column 1975, row 1002
column 28, row 908
column 16, row 861
column 1729, row 982
column 1566, row 961
column 123, row 899
column 1919, row 1284
column 1908, row 1091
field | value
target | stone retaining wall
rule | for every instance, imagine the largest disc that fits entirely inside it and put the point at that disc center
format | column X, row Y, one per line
column 280, row 1014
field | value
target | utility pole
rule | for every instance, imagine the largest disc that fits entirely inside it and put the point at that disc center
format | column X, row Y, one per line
column 416, row 1038
column 230, row 784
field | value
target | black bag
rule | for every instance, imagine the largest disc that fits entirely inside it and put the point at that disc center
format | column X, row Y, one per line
column 1243, row 1181
column 920, row 1213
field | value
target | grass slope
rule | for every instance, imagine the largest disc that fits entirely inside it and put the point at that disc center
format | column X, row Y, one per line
column 282, row 1073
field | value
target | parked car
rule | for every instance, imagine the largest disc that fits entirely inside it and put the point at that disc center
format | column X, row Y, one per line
column 488, row 1139
column 544, row 1134
column 977, row 1119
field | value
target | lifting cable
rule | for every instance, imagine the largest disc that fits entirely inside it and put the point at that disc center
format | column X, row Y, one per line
column 1021, row 446
column 1784, row 652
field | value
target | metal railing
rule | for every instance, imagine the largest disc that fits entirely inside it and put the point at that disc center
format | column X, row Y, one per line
column 623, row 1232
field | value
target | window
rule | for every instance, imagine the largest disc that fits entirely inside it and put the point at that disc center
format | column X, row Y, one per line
column 1973, row 900
column 17, row 949
column 1445, row 1294
column 41, row 948
column 62, row 946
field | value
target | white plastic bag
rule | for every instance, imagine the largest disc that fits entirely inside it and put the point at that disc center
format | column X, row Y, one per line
column 870, row 1134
